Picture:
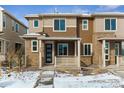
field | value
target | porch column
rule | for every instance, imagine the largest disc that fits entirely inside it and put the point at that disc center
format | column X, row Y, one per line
column 4, row 47
column 103, row 53
column 40, row 62
column 78, row 52
column 75, row 43
column 25, row 55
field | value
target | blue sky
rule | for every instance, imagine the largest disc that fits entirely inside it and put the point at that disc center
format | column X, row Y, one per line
column 19, row 11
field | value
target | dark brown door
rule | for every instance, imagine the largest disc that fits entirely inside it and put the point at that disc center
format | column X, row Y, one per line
column 48, row 53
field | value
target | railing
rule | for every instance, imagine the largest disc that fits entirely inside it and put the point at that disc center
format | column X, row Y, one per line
column 64, row 61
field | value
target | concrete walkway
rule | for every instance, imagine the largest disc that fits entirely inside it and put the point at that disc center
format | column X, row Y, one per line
column 45, row 80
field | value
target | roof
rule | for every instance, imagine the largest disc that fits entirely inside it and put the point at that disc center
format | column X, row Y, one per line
column 108, row 14
column 57, row 15
column 112, row 38
column 3, row 10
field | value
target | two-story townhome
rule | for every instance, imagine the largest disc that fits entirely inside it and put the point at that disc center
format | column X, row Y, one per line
column 10, row 31
column 108, row 39
column 58, row 40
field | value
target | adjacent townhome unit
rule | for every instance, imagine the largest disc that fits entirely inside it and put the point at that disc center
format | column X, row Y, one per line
column 60, row 40
column 108, row 39
column 10, row 31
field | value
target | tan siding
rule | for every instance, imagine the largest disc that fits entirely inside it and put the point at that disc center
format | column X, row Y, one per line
column 99, row 25
column 71, row 32
column 32, row 57
column 48, row 23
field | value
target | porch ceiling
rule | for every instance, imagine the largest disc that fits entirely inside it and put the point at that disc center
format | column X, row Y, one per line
column 59, row 38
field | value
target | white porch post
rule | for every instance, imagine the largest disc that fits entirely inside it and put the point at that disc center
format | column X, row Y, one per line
column 25, row 55
column 103, row 53
column 4, row 42
column 40, row 62
column 75, row 48
column 78, row 53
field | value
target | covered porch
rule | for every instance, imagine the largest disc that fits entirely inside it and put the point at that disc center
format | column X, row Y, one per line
column 59, row 52
column 112, row 52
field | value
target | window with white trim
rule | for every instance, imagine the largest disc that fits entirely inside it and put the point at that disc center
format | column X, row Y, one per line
column 85, row 24
column 17, row 27
column 62, row 49
column 36, row 23
column 87, row 49
column 34, row 45
column 110, row 24
column 107, row 46
column 59, row 25
column 13, row 25
column 4, row 21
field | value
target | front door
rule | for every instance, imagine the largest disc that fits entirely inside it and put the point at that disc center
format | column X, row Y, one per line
column 116, row 53
column 48, row 53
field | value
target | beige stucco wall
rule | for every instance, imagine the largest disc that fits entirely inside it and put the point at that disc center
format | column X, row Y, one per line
column 49, row 22
column 99, row 25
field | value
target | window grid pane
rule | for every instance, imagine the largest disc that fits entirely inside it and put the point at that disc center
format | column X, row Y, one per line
column 113, row 24
column 35, row 23
column 87, row 49
column 62, row 49
column 107, row 24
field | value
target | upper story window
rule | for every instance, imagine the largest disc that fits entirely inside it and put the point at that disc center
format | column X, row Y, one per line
column 59, row 25
column 4, row 21
column 87, row 49
column 35, row 23
column 13, row 25
column 110, row 24
column 62, row 49
column 17, row 27
column 34, row 45
column 84, row 24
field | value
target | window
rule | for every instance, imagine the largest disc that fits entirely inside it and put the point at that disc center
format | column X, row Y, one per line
column 34, row 46
column 17, row 27
column 59, row 25
column 87, row 49
column 110, row 24
column 107, row 45
column 36, row 23
column 62, row 49
column 4, row 21
column 84, row 24
column 18, row 47
column 13, row 25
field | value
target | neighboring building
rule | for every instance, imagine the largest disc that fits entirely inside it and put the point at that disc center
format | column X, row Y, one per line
column 108, row 39
column 74, row 40
column 10, row 31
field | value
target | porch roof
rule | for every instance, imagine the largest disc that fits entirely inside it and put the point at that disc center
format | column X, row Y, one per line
column 112, row 38
column 58, row 38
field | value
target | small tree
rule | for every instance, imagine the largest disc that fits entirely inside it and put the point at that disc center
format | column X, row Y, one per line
column 15, row 58
column 20, row 56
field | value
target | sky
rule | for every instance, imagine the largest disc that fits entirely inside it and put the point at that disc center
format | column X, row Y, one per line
column 19, row 11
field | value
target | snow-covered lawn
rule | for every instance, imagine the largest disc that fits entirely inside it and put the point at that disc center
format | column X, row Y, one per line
column 19, row 80
column 60, row 80
column 106, row 80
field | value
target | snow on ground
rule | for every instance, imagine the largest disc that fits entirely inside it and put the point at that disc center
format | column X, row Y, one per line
column 19, row 80
column 106, row 80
